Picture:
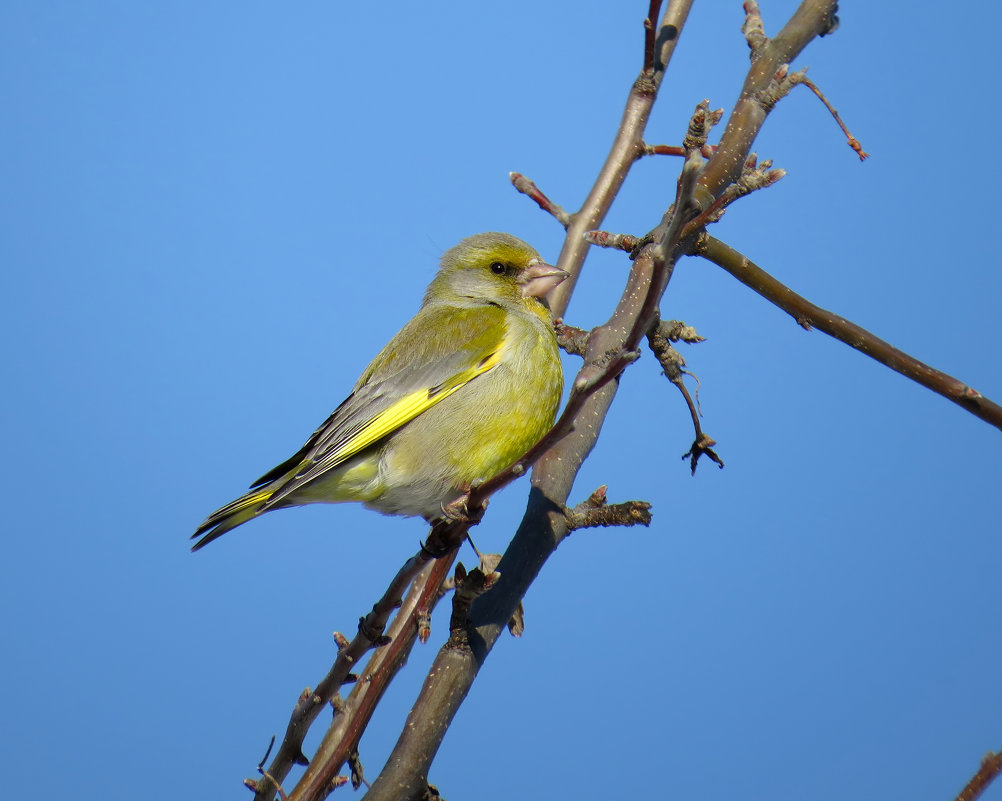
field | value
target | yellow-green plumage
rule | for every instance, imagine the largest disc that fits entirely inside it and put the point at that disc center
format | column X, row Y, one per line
column 462, row 391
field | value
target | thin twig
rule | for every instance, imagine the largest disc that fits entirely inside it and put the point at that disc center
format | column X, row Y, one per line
column 674, row 150
column 754, row 176
column 528, row 187
column 650, row 32
column 605, row 239
column 370, row 634
column 812, row 18
column 626, row 147
column 801, row 78
column 672, row 365
column 355, row 711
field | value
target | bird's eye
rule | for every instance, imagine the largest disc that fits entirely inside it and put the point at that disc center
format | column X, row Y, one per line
column 497, row 268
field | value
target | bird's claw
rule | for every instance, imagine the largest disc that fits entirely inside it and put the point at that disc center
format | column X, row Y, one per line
column 458, row 511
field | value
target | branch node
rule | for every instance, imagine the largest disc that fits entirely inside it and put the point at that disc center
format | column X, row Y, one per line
column 469, row 586
column 702, row 444
column 253, row 785
column 672, row 150
column 357, row 771
column 678, row 331
column 659, row 339
column 754, row 176
column 371, row 632
column 606, row 239
column 423, row 623
column 700, row 123
column 753, row 29
column 594, row 511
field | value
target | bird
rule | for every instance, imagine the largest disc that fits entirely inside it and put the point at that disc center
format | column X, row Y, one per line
column 460, row 393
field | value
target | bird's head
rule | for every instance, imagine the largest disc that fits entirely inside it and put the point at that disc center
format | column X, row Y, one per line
column 493, row 268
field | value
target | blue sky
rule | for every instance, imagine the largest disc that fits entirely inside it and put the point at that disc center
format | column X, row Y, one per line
column 214, row 216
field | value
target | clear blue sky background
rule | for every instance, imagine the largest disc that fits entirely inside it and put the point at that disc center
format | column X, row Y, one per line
column 213, row 215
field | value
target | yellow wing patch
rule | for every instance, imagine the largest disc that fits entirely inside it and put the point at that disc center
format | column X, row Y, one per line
column 402, row 412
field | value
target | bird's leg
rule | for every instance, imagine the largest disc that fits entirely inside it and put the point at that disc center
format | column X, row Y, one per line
column 473, row 545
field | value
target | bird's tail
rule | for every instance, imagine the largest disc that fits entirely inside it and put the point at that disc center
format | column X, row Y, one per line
column 230, row 516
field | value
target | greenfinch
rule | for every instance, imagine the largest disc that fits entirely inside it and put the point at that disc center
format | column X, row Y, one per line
column 459, row 394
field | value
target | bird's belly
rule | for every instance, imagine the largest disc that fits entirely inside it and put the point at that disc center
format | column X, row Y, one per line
column 421, row 470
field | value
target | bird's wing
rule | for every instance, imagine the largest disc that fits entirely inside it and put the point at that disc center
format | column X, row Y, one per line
column 409, row 376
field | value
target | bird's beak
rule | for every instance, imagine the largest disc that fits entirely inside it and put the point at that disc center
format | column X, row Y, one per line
column 539, row 278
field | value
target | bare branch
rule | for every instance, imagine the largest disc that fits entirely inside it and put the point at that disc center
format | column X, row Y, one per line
column 370, row 634
column 405, row 775
column 672, row 363
column 254, row 785
column 991, row 767
column 671, row 360
column 527, row 187
column 610, row 348
column 649, row 37
column 357, row 771
column 810, row 316
column 700, row 124
column 812, row 18
column 570, row 339
column 853, row 142
column 604, row 239
column 594, row 511
column 754, row 176
column 626, row 148
column 353, row 714
column 674, row 150
column 678, row 331
column 468, row 587
column 753, row 28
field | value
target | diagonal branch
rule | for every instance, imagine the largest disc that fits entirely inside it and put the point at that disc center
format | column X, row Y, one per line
column 352, row 716
column 542, row 528
column 627, row 147
column 544, row 525
column 595, row 511
column 991, row 767
column 370, row 635
column 812, row 18
column 810, row 316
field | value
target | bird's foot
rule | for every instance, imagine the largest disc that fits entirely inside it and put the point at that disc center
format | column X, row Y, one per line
column 458, row 511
